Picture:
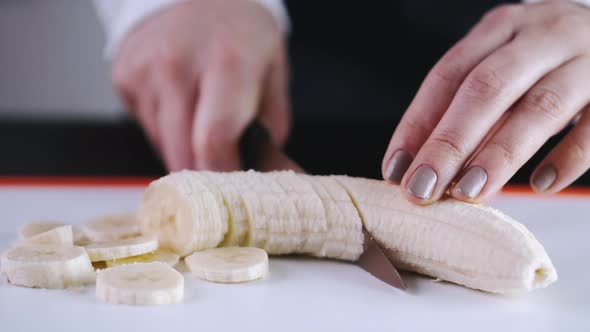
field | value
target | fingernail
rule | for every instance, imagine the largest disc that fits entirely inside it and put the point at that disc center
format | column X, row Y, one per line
column 398, row 165
column 544, row 178
column 422, row 182
column 472, row 182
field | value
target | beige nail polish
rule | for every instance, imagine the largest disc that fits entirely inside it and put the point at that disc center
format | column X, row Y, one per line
column 544, row 178
column 472, row 182
column 398, row 165
column 422, row 182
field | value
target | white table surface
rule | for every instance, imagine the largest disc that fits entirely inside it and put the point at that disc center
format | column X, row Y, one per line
column 308, row 294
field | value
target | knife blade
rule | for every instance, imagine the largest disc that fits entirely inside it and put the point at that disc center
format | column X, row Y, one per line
column 374, row 261
column 259, row 153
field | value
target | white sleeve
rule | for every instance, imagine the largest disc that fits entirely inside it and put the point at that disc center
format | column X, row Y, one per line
column 118, row 17
column 581, row 2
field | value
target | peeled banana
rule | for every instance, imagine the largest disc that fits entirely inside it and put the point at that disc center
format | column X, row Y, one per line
column 37, row 227
column 47, row 266
column 111, row 227
column 160, row 255
column 475, row 246
column 229, row 264
column 140, row 284
column 58, row 235
column 105, row 251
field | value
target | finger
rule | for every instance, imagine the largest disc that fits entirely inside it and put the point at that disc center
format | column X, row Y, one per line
column 175, row 115
column 487, row 92
column 142, row 104
column 567, row 161
column 539, row 114
column 441, row 84
column 147, row 115
column 228, row 102
column 275, row 114
column 489, row 136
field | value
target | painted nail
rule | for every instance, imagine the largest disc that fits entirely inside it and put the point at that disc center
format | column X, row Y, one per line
column 422, row 182
column 398, row 165
column 472, row 182
column 544, row 178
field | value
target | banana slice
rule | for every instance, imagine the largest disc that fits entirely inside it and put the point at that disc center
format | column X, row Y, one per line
column 111, row 227
column 80, row 238
column 140, row 284
column 37, row 227
column 58, row 235
column 47, row 266
column 159, row 255
column 229, row 264
column 135, row 246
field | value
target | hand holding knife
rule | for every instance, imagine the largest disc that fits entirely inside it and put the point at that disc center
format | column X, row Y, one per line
column 259, row 153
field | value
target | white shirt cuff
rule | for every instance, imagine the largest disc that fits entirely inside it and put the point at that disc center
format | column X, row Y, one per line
column 118, row 17
column 581, row 2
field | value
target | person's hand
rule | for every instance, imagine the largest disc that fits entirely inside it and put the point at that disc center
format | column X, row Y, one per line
column 517, row 78
column 196, row 74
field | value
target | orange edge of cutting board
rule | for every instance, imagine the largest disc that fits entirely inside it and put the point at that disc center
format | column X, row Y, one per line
column 74, row 181
column 138, row 182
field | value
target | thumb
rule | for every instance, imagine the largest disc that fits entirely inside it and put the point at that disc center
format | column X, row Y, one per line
column 228, row 103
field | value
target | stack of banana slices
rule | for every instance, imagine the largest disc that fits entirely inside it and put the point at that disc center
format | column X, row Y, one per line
column 127, row 267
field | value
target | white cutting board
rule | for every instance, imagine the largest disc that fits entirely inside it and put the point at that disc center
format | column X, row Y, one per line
column 307, row 294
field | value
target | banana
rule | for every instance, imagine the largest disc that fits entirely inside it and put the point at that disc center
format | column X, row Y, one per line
column 229, row 264
column 134, row 246
column 309, row 210
column 344, row 238
column 183, row 213
column 79, row 237
column 238, row 226
column 37, row 227
column 159, row 255
column 272, row 216
column 58, row 235
column 471, row 245
column 140, row 284
column 110, row 227
column 47, row 266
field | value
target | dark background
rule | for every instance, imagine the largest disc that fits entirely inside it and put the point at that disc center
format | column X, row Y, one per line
column 355, row 67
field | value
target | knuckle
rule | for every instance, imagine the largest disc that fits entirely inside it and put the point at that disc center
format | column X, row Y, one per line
column 123, row 78
column 485, row 84
column 227, row 56
column 578, row 152
column 502, row 13
column 450, row 141
column 168, row 62
column 545, row 102
column 415, row 125
column 564, row 23
column 505, row 150
column 210, row 142
column 447, row 73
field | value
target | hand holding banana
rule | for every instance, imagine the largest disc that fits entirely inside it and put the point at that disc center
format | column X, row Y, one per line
column 516, row 79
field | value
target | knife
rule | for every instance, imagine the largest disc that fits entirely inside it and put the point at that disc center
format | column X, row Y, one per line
column 258, row 152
